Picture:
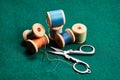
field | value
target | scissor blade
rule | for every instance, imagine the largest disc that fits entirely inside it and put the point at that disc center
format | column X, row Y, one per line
column 56, row 49
column 54, row 52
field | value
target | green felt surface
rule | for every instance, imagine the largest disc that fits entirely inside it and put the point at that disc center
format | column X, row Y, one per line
column 102, row 18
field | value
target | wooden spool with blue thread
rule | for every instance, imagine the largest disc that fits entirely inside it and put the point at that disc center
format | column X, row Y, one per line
column 36, row 32
column 80, row 32
column 64, row 38
column 55, row 18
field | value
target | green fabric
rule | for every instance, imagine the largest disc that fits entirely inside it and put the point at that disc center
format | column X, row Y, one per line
column 102, row 18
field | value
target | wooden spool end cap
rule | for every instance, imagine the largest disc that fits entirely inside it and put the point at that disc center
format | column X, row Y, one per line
column 25, row 33
column 59, row 40
column 63, row 16
column 56, row 28
column 48, row 19
column 79, row 28
column 38, row 30
column 47, row 39
column 51, row 38
column 32, row 46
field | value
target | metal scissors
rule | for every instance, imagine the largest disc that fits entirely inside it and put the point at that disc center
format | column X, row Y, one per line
column 77, row 61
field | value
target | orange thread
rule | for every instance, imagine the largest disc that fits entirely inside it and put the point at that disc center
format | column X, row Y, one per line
column 40, row 41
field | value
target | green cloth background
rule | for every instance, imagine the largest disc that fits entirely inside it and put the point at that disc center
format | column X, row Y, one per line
column 102, row 18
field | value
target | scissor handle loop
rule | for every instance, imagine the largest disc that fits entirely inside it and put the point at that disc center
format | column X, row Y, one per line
column 90, row 52
column 82, row 72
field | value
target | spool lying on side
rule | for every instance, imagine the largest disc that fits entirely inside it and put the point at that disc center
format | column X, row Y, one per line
column 55, row 18
column 80, row 32
column 34, row 44
column 64, row 38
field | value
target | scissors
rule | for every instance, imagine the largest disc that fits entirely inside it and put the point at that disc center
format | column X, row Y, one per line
column 77, row 61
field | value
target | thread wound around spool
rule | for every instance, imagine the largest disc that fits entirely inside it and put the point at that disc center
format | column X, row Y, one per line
column 80, row 32
column 53, row 16
column 25, row 33
column 38, row 30
column 71, row 33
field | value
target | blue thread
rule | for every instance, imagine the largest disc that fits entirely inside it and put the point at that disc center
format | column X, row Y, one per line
column 57, row 18
column 67, row 37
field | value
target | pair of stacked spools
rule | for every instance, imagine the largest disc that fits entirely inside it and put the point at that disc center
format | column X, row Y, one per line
column 56, row 20
column 35, row 38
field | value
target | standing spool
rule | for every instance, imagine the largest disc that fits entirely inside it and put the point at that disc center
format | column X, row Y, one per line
column 55, row 18
column 80, row 32
column 34, row 44
column 64, row 38
column 54, row 32
column 36, row 32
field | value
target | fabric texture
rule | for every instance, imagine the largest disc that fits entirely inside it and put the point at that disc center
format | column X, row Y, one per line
column 102, row 18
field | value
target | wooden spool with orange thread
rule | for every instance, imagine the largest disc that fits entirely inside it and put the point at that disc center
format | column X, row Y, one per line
column 34, row 44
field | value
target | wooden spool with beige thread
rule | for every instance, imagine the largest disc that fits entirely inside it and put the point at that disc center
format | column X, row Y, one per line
column 80, row 32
